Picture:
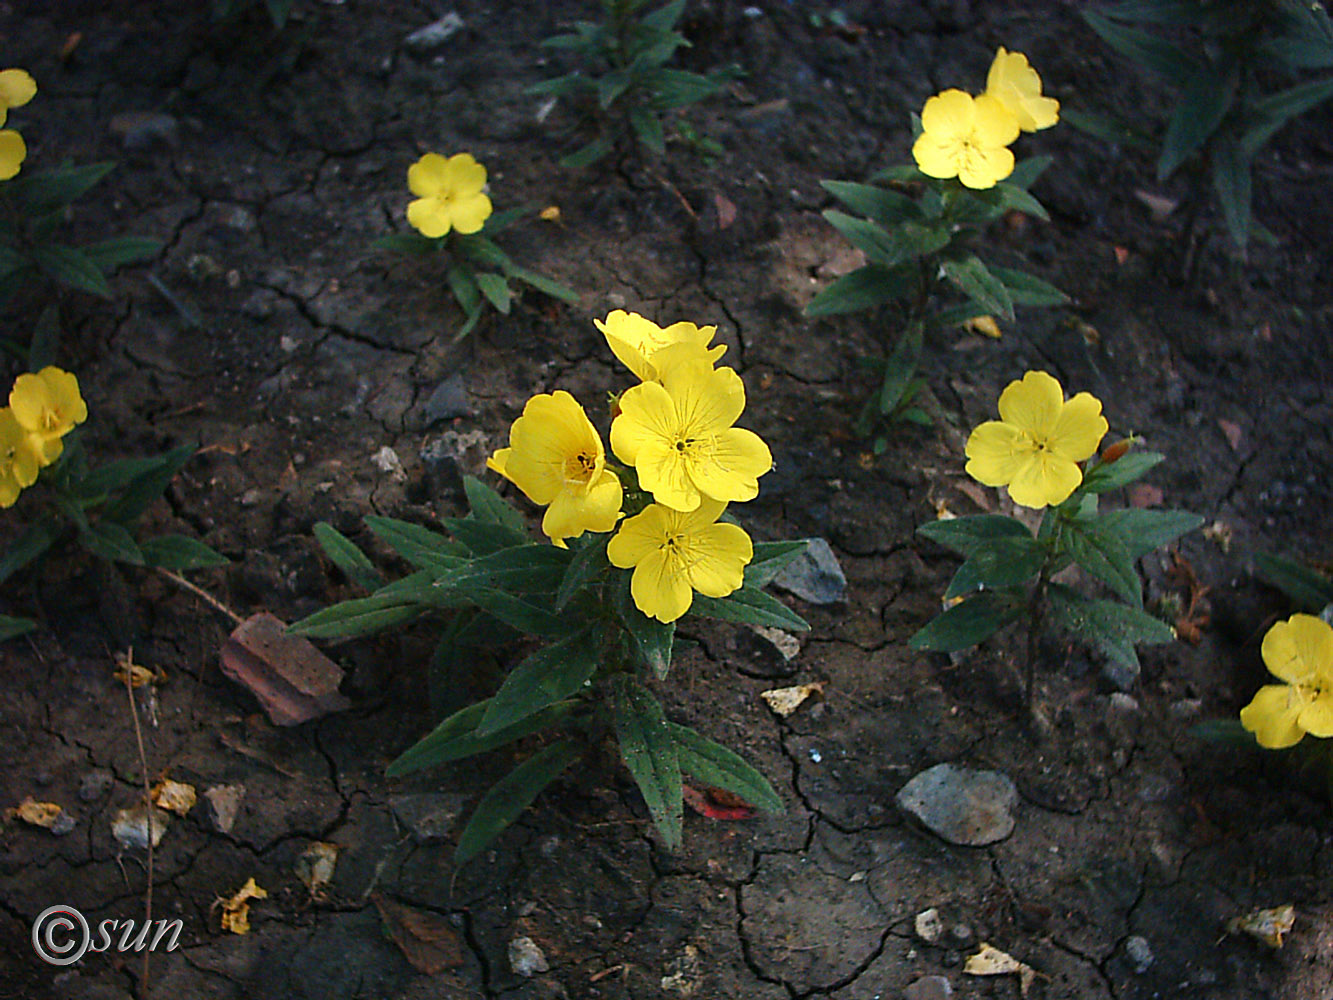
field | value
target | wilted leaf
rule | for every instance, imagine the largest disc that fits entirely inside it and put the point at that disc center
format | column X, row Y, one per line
column 174, row 796
column 786, row 700
column 428, row 941
column 136, row 674
column 315, row 866
column 1269, row 926
column 130, row 826
column 236, row 911
column 990, row 961
column 716, row 803
column 43, row 814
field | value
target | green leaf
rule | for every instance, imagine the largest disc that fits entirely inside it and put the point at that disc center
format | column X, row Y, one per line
column 1207, row 98
column 900, row 371
column 413, row 243
column 71, row 267
column 904, row 242
column 1228, row 732
column 864, row 288
column 975, row 280
column 455, row 738
column 355, row 618
column 527, row 617
column 511, row 795
column 665, row 17
column 34, row 542
column 111, row 541
column 1102, row 553
column 420, row 546
column 611, row 86
column 1174, row 12
column 1160, row 56
column 1026, row 171
column 1143, row 531
column 1232, row 184
column 650, row 640
column 464, row 287
column 45, row 339
column 965, row 534
column 648, row 129
column 1310, row 590
column 1014, row 197
column 649, row 752
column 1109, row 129
column 881, row 205
column 344, row 554
column 966, row 624
column 489, row 507
column 749, row 606
column 1274, row 111
column 40, row 193
column 148, row 485
column 1110, row 626
column 481, row 537
column 1026, row 290
column 521, row 569
column 588, row 564
column 1123, row 471
column 108, row 255
column 496, row 290
column 551, row 674
column 713, row 764
column 587, row 155
column 678, row 88
column 544, row 284
column 498, row 222
column 11, row 627
column 996, row 563
column 179, row 552
column 770, row 559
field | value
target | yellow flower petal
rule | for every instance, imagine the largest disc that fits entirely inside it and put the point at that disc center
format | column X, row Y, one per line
column 17, row 88
column 1273, row 716
column 638, row 536
column 1316, row 718
column 1015, row 83
column 463, row 175
column 659, row 589
column 707, row 400
column 1079, row 428
column 553, row 447
column 470, row 213
column 430, row 217
column 21, row 457
column 936, row 157
column 985, row 167
column 634, row 340
column 995, row 124
column 948, row 114
column 1299, row 650
column 572, row 513
column 665, row 472
column 995, row 452
column 426, row 177
column 1033, row 403
column 647, row 414
column 498, row 461
column 13, row 151
column 737, row 459
column 721, row 553
column 1044, row 480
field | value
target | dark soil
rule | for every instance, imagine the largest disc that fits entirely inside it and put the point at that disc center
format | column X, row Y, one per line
column 285, row 155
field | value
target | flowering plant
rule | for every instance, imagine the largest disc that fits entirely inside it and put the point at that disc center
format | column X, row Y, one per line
column 918, row 233
column 1044, row 450
column 625, row 81
column 451, row 212
column 39, row 442
column 640, row 538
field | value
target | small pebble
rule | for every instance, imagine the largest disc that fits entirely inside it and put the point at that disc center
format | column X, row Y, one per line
column 928, row 925
column 525, row 958
column 1139, row 952
column 929, row 988
column 95, row 784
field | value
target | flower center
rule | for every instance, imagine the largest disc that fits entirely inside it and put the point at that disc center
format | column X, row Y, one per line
column 579, row 468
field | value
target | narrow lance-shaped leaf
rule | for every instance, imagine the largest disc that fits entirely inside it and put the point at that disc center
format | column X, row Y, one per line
column 344, row 554
column 511, row 795
column 715, row 765
column 551, row 674
column 966, row 624
column 649, row 752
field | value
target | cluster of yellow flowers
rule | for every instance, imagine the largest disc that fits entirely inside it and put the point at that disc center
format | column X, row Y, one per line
column 450, row 195
column 1298, row 652
column 968, row 137
column 676, row 428
column 17, row 88
column 42, row 409
column 1037, row 444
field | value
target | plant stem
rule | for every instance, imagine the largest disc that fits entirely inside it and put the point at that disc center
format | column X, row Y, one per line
column 149, row 810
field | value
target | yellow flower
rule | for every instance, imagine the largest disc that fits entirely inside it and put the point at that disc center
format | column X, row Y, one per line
column 674, row 554
column 679, row 437
column 1036, row 445
column 47, row 405
column 13, row 151
column 637, row 341
column 1298, row 651
column 19, row 460
column 556, row 457
column 1017, row 86
column 449, row 194
column 17, row 88
column 966, row 137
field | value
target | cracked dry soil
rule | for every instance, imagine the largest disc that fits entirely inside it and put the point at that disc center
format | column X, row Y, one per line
column 292, row 354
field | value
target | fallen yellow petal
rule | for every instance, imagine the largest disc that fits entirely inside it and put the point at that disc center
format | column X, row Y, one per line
column 786, row 700
column 1269, row 926
column 236, row 911
column 990, row 961
column 43, row 814
column 984, row 325
column 174, row 796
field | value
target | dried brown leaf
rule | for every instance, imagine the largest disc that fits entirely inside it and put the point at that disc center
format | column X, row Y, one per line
column 428, row 941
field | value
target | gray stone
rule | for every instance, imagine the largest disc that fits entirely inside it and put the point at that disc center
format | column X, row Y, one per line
column 928, row 925
column 1139, row 952
column 815, row 575
column 525, row 958
column 961, row 805
column 222, row 803
column 929, row 988
column 434, row 35
column 450, row 399
column 95, row 784
column 430, row 816
column 64, row 823
column 145, row 129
